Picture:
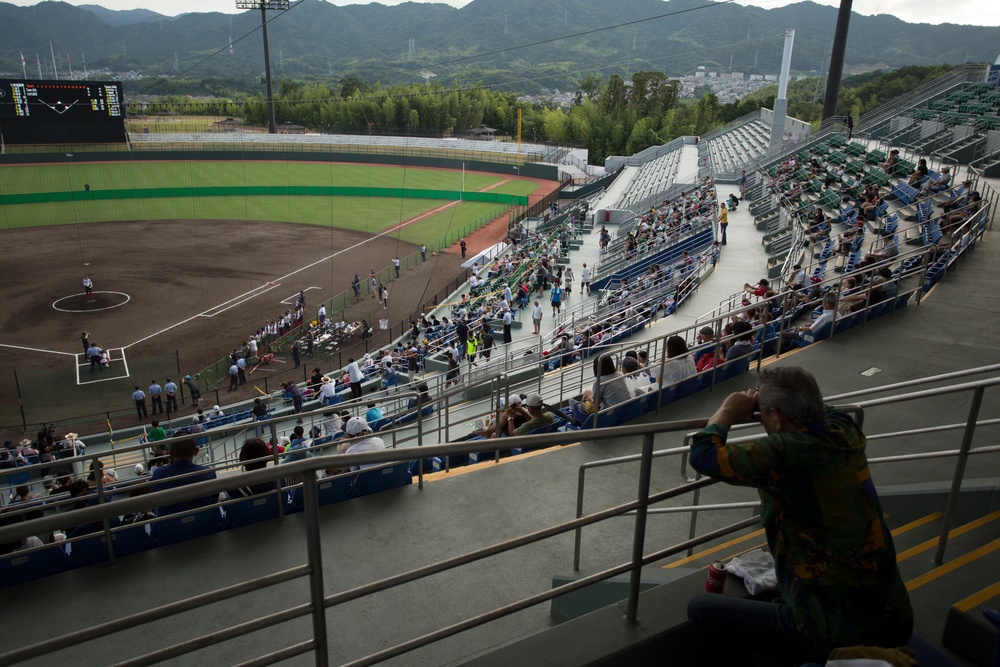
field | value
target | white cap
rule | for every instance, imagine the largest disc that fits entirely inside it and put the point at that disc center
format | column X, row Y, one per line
column 533, row 400
column 513, row 398
column 112, row 473
column 356, row 426
column 215, row 407
column 139, row 470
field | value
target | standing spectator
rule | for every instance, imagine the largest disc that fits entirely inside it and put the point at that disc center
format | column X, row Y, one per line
column 462, row 333
column 423, row 253
column 356, row 286
column 508, row 319
column 723, row 221
column 139, row 398
column 555, row 297
column 155, row 435
column 373, row 284
column 536, row 317
column 170, row 389
column 385, row 298
column 395, row 264
column 850, row 126
column 182, row 454
column 568, row 280
column 234, row 376
column 193, row 390
column 356, row 377
column 292, row 391
column 321, row 315
column 296, row 356
column 463, row 246
column 156, row 397
column 585, row 274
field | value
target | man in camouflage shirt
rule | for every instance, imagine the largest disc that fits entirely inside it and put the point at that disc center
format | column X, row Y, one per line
column 834, row 558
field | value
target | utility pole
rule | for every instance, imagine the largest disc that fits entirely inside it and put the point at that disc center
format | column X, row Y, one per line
column 263, row 6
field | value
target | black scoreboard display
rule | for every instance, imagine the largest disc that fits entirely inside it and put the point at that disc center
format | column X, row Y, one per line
column 61, row 112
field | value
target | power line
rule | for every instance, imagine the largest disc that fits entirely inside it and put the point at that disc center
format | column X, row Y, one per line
column 580, row 34
column 226, row 47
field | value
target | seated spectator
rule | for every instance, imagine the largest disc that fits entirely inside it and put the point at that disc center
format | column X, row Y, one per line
column 680, row 365
column 425, row 398
column 327, row 393
column 939, row 184
column 889, row 249
column 826, row 317
column 891, row 163
column 760, row 290
column 743, row 345
column 837, row 577
column 613, row 388
column 254, row 455
column 360, row 440
column 959, row 200
column 373, row 414
column 917, row 177
column 298, row 447
column 30, row 542
column 182, row 454
column 539, row 417
column 706, row 344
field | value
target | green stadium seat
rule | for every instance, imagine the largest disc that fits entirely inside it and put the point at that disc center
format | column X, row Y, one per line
column 988, row 123
column 875, row 157
column 855, row 149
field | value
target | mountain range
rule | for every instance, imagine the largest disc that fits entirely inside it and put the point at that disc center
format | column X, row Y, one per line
column 520, row 45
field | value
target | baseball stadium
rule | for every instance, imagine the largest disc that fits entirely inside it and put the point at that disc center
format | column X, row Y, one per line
column 466, row 401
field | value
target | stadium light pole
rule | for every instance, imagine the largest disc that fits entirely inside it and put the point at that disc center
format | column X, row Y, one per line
column 836, row 69
column 265, row 5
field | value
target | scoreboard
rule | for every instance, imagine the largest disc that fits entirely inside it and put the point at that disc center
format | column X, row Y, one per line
column 61, row 112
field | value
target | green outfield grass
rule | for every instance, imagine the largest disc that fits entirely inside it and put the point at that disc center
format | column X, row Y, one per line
column 18, row 179
column 369, row 214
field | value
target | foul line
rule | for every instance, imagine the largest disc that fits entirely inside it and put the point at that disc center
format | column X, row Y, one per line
column 243, row 298
column 288, row 301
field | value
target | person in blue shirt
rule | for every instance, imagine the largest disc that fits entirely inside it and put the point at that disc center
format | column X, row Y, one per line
column 139, row 397
column 156, row 396
column 374, row 413
column 299, row 447
column 182, row 454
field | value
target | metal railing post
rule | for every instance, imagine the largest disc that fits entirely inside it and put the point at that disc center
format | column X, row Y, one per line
column 639, row 534
column 314, row 557
column 956, row 480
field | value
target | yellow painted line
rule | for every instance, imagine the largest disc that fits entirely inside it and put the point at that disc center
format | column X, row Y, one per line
column 716, row 549
column 466, row 469
column 916, row 524
column 979, row 598
column 942, row 570
column 961, row 530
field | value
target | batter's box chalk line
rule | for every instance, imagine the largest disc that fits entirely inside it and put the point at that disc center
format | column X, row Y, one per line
column 117, row 368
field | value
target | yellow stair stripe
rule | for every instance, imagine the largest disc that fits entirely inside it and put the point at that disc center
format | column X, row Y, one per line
column 961, row 530
column 465, row 469
column 942, row 570
column 716, row 549
column 916, row 524
column 979, row 598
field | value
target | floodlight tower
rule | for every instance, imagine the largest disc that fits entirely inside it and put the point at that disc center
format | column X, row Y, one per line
column 263, row 6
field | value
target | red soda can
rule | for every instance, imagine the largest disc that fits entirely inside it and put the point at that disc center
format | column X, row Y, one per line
column 716, row 579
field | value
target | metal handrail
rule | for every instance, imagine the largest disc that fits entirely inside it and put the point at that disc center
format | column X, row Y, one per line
column 319, row 603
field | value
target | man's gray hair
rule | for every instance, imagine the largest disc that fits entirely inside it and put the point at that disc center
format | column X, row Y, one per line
column 830, row 300
column 794, row 391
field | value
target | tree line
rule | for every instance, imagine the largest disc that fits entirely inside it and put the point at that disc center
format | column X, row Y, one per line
column 613, row 116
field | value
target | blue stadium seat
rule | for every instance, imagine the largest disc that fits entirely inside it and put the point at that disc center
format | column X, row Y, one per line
column 126, row 540
column 180, row 527
column 251, row 510
column 333, row 490
column 382, row 479
column 21, row 566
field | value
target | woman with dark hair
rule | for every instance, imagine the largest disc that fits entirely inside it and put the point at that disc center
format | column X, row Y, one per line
column 680, row 365
column 743, row 345
column 613, row 388
column 254, row 456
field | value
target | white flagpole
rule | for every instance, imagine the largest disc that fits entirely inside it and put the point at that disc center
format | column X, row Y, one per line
column 55, row 69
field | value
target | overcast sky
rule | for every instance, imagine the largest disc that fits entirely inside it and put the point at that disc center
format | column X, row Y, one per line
column 974, row 12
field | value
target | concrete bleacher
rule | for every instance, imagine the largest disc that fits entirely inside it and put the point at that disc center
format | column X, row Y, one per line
column 652, row 178
column 741, row 145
